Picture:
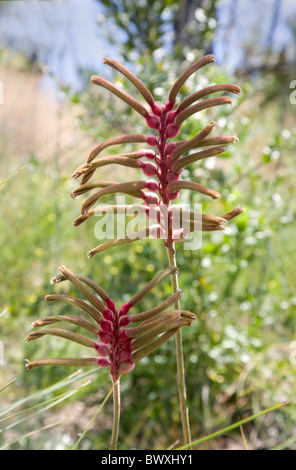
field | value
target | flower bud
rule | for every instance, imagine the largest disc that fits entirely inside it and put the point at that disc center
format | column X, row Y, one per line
column 152, row 121
column 170, row 147
column 156, row 109
column 149, row 154
column 125, row 367
column 107, row 314
column 103, row 349
column 171, row 176
column 169, row 162
column 151, row 199
column 173, row 196
column 172, row 130
column 125, row 344
column 123, row 336
column 103, row 362
column 149, row 169
column 152, row 186
column 106, row 326
column 125, row 355
column 124, row 309
column 124, row 321
column 106, row 338
column 151, row 140
column 110, row 305
column 169, row 105
column 171, row 117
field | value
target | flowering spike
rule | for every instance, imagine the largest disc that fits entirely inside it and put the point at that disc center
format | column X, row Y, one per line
column 118, row 343
column 168, row 157
column 116, row 340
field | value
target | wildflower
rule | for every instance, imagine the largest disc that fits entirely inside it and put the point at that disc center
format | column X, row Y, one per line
column 121, row 338
column 166, row 159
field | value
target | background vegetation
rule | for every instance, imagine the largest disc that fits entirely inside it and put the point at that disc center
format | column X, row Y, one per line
column 241, row 283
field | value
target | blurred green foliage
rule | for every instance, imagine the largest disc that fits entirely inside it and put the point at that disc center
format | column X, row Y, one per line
column 240, row 283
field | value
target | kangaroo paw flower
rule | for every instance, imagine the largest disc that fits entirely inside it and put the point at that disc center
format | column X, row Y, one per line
column 168, row 159
column 116, row 342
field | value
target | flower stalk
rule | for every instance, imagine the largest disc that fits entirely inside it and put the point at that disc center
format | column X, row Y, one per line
column 181, row 381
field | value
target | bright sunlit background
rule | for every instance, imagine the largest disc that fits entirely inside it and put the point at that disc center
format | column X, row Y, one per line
column 240, row 356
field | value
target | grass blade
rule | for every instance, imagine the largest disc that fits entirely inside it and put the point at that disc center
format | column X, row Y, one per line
column 7, row 385
column 75, row 446
column 52, row 388
column 31, row 433
column 232, row 426
column 13, row 174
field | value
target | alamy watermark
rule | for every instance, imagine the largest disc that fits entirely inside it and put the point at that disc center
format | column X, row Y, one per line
column 135, row 221
column 293, row 94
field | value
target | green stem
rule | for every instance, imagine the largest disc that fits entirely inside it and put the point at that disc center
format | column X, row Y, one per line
column 179, row 357
column 116, row 414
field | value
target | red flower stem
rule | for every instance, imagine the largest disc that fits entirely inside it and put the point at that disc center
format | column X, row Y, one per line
column 114, row 359
column 163, row 183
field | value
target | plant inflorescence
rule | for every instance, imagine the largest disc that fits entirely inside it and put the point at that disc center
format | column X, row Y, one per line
column 119, row 343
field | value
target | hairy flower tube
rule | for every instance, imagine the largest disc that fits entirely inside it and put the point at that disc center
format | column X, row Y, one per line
column 120, row 338
column 162, row 160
